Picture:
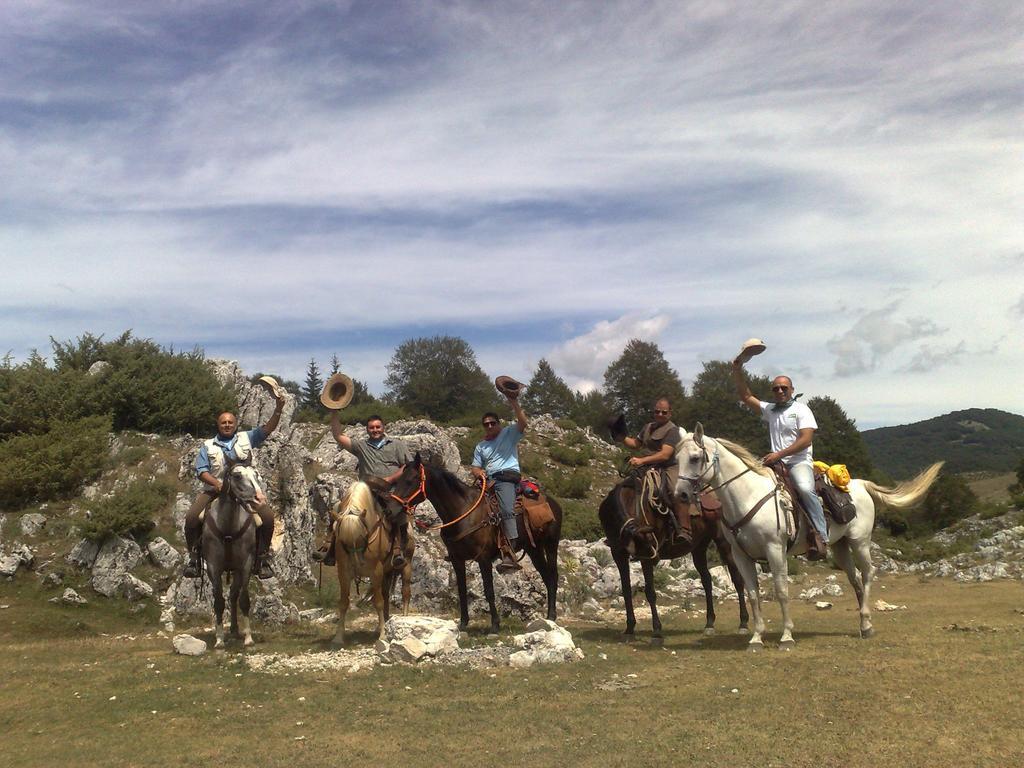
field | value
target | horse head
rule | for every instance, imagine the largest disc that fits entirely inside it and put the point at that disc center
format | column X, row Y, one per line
column 243, row 484
column 696, row 458
column 408, row 490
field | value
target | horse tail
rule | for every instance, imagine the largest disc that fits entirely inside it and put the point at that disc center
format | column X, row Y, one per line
column 907, row 493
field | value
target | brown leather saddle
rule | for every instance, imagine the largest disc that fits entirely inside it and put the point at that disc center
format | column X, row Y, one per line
column 816, row 548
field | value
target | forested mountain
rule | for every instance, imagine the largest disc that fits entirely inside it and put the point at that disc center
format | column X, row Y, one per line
column 968, row 441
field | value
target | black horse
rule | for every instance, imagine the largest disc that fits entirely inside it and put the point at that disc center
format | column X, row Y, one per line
column 468, row 534
column 647, row 537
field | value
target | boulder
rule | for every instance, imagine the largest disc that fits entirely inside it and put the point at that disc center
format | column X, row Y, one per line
column 115, row 559
column 9, row 565
column 70, row 597
column 32, row 523
column 162, row 554
column 410, row 638
column 135, row 588
column 187, row 645
column 271, row 609
column 83, row 554
column 544, row 643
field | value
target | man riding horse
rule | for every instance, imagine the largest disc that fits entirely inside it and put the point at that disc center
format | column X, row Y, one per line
column 230, row 445
column 377, row 456
column 659, row 439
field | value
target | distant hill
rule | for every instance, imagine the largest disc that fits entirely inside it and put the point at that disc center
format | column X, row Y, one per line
column 968, row 441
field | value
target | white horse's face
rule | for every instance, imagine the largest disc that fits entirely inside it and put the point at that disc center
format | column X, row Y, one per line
column 694, row 467
column 245, row 484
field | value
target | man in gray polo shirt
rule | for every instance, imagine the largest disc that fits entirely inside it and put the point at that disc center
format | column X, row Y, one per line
column 377, row 456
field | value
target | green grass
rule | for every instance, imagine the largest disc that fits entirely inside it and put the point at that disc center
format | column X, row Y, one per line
column 918, row 694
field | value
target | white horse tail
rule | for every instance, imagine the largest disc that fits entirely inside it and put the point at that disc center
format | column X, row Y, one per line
column 907, row 493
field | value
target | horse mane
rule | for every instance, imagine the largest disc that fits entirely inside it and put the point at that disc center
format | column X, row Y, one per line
column 750, row 460
column 360, row 496
column 449, row 479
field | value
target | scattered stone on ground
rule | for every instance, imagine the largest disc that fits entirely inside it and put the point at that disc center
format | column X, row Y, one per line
column 32, row 523
column 187, row 645
column 881, row 605
column 822, row 605
column 69, row 597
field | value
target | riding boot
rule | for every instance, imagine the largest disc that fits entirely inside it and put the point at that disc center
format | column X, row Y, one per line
column 682, row 518
column 264, row 554
column 325, row 554
column 397, row 550
column 193, row 540
column 508, row 562
column 817, row 548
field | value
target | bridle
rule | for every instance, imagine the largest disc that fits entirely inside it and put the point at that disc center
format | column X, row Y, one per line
column 420, row 494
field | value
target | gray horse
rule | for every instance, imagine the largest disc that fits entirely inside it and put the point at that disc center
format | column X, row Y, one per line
column 229, row 545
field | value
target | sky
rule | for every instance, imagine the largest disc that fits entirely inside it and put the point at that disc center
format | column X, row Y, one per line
column 281, row 181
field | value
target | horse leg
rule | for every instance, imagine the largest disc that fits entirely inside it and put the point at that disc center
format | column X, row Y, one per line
column 216, row 583
column 862, row 554
column 748, row 574
column 236, row 588
column 377, row 580
column 386, row 589
column 406, row 586
column 487, row 576
column 700, row 562
column 244, row 604
column 780, row 571
column 344, row 585
column 622, row 562
column 652, row 597
column 459, row 566
column 548, row 569
column 725, row 553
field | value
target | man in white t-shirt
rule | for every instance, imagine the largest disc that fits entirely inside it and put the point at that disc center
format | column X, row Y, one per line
column 791, row 427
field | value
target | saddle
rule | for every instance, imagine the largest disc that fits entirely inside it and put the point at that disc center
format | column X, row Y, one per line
column 815, row 546
column 530, row 501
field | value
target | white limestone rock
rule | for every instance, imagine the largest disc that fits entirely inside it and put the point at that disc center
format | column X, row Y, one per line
column 186, row 645
column 162, row 554
column 32, row 523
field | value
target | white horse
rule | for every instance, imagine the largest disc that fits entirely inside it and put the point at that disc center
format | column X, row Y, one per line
column 758, row 519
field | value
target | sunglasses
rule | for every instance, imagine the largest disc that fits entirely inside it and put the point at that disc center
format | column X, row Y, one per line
column 658, row 412
column 780, row 389
column 490, row 423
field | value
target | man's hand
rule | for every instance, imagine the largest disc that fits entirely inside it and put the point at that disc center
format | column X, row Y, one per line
column 636, row 461
column 772, row 458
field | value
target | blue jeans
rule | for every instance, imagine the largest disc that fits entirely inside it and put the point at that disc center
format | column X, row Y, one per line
column 803, row 479
column 507, row 507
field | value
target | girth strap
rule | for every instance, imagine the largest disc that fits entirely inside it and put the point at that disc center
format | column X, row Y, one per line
column 750, row 515
column 228, row 538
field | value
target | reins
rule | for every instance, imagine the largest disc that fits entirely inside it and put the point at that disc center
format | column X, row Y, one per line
column 408, row 502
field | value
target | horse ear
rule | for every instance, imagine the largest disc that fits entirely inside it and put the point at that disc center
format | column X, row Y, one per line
column 698, row 434
column 417, row 461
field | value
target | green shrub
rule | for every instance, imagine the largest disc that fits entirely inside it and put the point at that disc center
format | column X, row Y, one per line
column 130, row 456
column 948, row 501
column 358, row 413
column 574, row 485
column 579, row 521
column 128, row 512
column 566, row 424
column 54, row 464
column 570, row 456
column 894, row 520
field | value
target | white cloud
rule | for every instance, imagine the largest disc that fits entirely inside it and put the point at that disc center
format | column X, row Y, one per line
column 875, row 335
column 582, row 360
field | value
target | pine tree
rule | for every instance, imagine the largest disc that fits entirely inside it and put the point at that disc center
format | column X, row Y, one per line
column 335, row 365
column 547, row 393
column 640, row 376
column 313, row 386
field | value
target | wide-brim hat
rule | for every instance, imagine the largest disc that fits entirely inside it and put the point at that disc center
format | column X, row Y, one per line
column 617, row 427
column 509, row 387
column 272, row 386
column 750, row 348
column 337, row 392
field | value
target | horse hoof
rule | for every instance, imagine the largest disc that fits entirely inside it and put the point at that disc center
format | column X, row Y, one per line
column 743, row 631
column 657, row 641
column 709, row 631
column 867, row 633
column 787, row 645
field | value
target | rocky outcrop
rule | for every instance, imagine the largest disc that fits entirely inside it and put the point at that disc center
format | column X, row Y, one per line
column 111, row 568
column 162, row 554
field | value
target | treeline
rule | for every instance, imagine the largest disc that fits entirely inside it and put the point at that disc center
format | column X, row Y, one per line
column 56, row 416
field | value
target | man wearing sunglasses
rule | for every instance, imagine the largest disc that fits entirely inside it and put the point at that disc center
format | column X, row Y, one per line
column 496, row 458
column 660, row 438
column 791, row 427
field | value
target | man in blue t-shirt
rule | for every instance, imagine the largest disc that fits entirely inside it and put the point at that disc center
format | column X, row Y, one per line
column 496, row 458
column 230, row 445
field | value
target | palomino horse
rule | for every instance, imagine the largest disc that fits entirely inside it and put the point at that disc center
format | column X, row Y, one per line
column 647, row 539
column 758, row 519
column 363, row 548
column 468, row 534
column 229, row 546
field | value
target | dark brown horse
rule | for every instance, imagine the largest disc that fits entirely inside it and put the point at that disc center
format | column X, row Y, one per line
column 468, row 534
column 647, row 537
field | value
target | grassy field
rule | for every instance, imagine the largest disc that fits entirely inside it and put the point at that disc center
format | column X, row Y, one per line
column 941, row 684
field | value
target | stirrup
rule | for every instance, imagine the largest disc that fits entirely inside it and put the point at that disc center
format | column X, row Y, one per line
column 192, row 569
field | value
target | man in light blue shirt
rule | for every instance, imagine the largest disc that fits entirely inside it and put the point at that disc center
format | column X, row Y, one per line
column 496, row 458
